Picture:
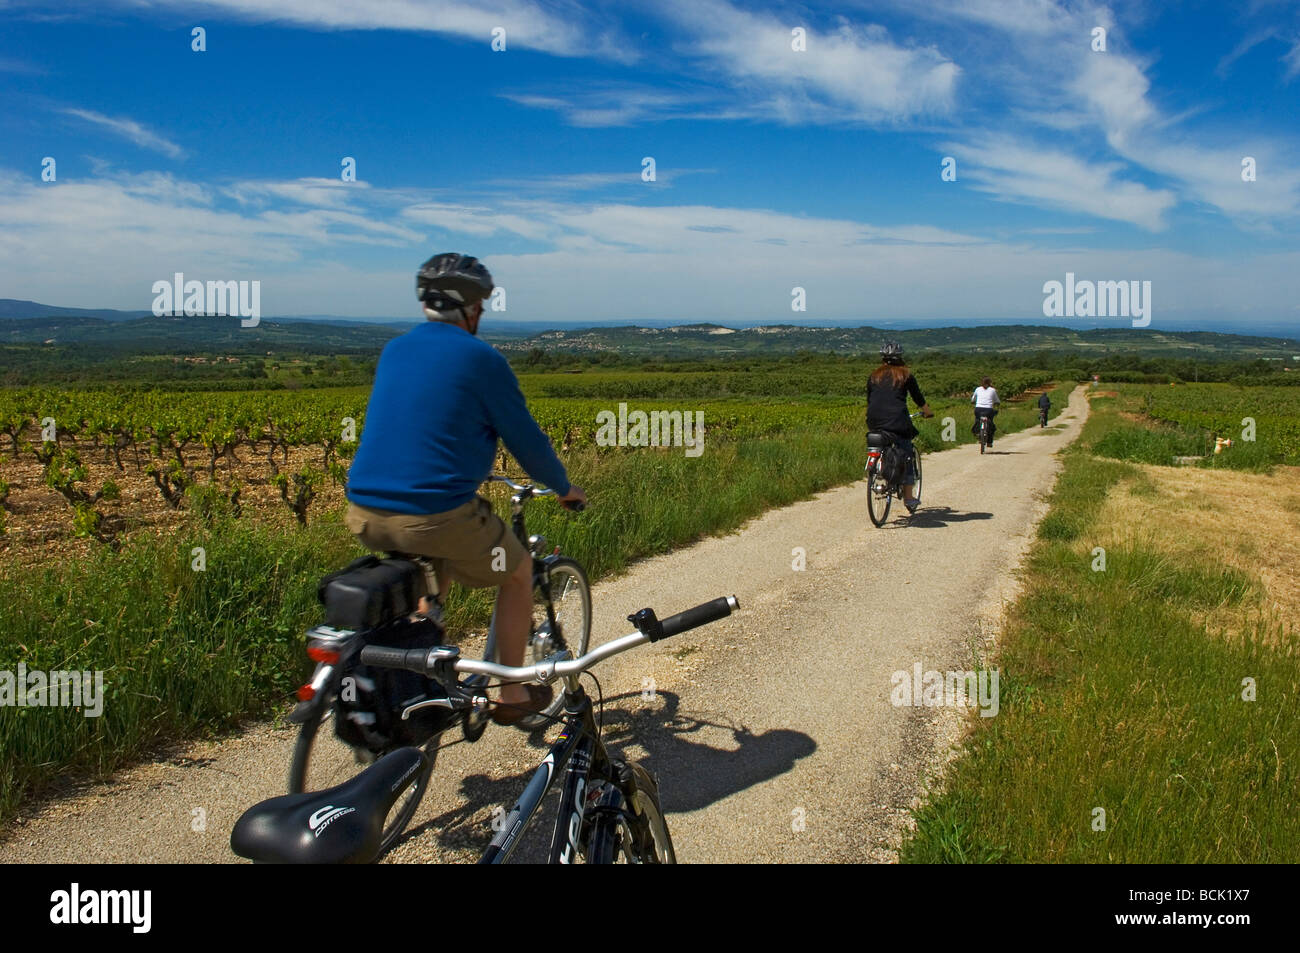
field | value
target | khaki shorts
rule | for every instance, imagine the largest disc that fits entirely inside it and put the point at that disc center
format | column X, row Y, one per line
column 470, row 544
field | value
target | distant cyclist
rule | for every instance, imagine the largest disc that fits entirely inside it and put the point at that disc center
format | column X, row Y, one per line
column 887, row 392
column 1044, row 405
column 986, row 401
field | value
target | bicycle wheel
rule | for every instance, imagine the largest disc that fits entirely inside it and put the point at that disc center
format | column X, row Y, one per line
column 916, row 464
column 571, row 604
column 321, row 760
column 878, row 497
column 983, row 433
column 631, row 834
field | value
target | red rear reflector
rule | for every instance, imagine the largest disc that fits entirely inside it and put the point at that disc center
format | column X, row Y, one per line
column 318, row 653
column 306, row 693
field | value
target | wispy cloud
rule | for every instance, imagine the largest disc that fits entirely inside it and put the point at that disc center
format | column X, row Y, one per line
column 558, row 27
column 851, row 73
column 1292, row 60
column 1014, row 171
column 130, row 130
column 613, row 104
column 9, row 64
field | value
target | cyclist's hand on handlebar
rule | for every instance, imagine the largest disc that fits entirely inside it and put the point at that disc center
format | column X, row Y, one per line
column 926, row 411
column 575, row 499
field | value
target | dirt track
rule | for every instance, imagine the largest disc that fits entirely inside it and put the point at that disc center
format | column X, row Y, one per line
column 771, row 732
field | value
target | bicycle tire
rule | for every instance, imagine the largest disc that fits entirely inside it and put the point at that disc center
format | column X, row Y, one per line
column 636, row 833
column 879, row 496
column 575, row 629
column 916, row 464
column 983, row 433
column 403, row 810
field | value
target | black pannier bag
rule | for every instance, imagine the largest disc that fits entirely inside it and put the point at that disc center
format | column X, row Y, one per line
column 370, row 591
column 376, row 597
column 893, row 462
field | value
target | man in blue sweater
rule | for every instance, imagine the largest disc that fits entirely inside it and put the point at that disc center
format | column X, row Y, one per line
column 440, row 401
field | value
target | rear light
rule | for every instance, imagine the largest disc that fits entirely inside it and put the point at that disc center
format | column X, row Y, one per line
column 306, row 693
column 318, row 653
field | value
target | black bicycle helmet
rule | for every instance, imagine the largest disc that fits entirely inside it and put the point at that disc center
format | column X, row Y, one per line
column 891, row 352
column 449, row 281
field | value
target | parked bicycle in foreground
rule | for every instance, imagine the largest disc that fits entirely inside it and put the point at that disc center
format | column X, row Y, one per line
column 883, row 486
column 375, row 712
column 609, row 809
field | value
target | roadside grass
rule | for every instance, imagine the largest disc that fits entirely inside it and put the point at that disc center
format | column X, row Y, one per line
column 1117, row 698
column 188, row 653
column 183, row 652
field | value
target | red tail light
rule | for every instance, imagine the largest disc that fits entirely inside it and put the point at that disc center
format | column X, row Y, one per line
column 306, row 693
column 318, row 653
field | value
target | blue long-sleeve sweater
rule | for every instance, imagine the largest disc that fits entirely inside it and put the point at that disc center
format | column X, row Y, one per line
column 441, row 399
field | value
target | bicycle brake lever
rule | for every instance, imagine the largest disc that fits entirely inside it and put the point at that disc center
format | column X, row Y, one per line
column 432, row 703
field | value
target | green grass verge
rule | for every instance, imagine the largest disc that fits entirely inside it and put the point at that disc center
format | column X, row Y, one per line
column 1115, row 698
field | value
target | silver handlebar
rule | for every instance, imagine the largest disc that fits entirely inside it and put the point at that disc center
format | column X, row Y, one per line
column 520, row 487
column 545, row 671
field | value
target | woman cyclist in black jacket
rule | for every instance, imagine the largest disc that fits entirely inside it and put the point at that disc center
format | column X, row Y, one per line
column 887, row 392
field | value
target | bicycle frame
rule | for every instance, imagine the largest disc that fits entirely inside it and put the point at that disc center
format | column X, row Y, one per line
column 578, row 753
column 541, row 564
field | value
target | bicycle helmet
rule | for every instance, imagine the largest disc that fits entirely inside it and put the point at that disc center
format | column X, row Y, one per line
column 452, row 281
column 891, row 352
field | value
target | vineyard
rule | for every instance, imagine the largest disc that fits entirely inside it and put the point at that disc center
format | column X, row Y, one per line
column 97, row 463
column 1222, row 410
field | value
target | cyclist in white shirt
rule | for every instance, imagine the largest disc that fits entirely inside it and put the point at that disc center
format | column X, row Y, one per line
column 986, row 401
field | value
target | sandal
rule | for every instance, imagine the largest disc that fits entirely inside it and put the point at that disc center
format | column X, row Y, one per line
column 507, row 713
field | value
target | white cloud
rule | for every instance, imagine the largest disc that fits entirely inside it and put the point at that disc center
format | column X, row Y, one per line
column 559, row 27
column 131, row 130
column 1292, row 61
column 854, row 72
column 1017, row 172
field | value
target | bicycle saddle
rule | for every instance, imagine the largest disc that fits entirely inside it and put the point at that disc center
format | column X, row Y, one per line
column 340, row 825
column 876, row 439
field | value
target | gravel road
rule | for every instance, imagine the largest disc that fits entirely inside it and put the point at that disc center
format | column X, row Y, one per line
column 771, row 732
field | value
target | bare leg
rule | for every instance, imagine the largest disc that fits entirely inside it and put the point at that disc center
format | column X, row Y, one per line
column 907, row 491
column 514, row 616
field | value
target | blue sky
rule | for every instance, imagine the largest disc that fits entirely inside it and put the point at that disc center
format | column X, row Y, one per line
column 776, row 168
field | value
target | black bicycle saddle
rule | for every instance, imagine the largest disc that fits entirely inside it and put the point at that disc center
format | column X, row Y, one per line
column 340, row 825
column 877, row 439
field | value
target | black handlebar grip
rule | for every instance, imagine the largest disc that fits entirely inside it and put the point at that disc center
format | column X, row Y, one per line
column 413, row 660
column 702, row 614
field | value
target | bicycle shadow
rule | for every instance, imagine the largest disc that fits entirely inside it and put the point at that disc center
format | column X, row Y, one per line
column 927, row 517
column 694, row 774
column 691, row 774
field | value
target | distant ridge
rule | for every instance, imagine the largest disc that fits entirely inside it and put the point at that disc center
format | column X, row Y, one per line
column 29, row 322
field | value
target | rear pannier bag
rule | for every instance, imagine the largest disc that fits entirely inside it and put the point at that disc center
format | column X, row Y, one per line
column 376, row 597
column 370, row 591
column 371, row 700
column 893, row 461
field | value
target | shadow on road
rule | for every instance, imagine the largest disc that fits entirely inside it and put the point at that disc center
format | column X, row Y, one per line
column 931, row 516
column 692, row 774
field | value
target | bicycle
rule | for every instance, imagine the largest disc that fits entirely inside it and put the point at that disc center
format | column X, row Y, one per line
column 880, row 492
column 609, row 808
column 1042, row 416
column 561, row 619
column 985, row 422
